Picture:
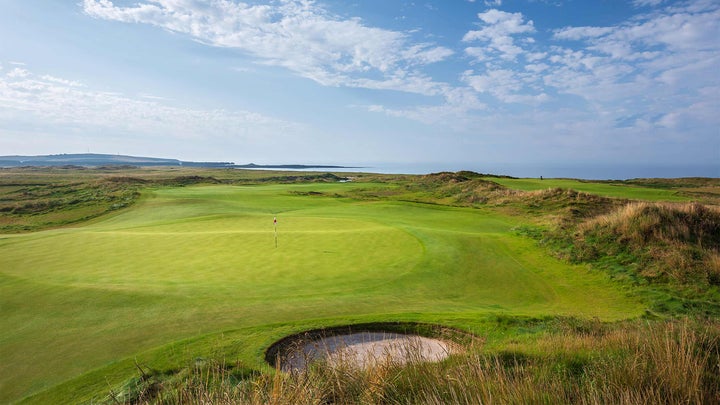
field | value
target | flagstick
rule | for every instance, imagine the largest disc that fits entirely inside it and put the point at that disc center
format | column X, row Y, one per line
column 275, row 224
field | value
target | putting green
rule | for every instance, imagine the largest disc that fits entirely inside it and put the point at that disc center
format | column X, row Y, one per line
column 190, row 261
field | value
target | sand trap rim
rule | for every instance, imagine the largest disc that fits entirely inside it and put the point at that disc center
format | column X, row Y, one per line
column 428, row 330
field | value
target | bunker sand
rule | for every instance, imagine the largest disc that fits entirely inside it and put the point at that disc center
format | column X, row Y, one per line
column 365, row 349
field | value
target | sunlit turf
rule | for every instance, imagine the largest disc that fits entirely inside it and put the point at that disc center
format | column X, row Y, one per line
column 603, row 189
column 187, row 262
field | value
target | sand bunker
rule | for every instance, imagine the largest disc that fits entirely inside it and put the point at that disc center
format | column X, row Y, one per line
column 364, row 349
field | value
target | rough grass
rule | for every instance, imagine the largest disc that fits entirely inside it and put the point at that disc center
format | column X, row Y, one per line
column 670, row 242
column 658, row 363
column 669, row 251
column 27, row 206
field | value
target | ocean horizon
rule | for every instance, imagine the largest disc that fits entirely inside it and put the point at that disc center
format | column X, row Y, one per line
column 578, row 171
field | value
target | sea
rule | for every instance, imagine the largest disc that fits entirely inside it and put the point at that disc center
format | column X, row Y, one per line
column 577, row 171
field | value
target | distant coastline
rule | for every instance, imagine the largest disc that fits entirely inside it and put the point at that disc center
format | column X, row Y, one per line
column 295, row 167
column 97, row 159
column 586, row 171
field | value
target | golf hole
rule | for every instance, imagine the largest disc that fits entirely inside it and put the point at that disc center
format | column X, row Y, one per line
column 348, row 348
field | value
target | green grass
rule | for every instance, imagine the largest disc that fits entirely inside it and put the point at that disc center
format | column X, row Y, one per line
column 580, row 362
column 604, row 189
column 36, row 198
column 194, row 271
column 673, row 248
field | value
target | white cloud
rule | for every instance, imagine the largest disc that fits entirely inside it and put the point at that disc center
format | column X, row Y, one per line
column 642, row 3
column 58, row 80
column 52, row 102
column 153, row 97
column 653, row 60
column 496, row 81
column 477, row 53
column 411, row 83
column 505, row 85
column 496, row 34
column 535, row 56
column 675, row 30
column 579, row 33
column 18, row 73
column 453, row 112
column 536, row 67
column 500, row 23
column 650, row 66
column 296, row 34
column 501, row 75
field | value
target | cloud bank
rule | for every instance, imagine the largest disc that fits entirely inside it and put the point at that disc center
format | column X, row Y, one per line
column 53, row 103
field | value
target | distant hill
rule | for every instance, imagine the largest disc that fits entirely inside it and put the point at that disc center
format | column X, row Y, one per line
column 96, row 159
column 254, row 166
column 86, row 159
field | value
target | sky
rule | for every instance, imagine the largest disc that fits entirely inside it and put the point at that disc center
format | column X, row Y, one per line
column 574, row 87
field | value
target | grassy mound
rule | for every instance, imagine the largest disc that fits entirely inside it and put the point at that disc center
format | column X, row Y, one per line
column 32, row 205
column 560, row 206
column 461, row 188
column 667, row 242
column 466, row 188
column 670, row 252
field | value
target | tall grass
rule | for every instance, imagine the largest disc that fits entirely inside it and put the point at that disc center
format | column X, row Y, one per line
column 674, row 362
column 669, row 242
column 641, row 222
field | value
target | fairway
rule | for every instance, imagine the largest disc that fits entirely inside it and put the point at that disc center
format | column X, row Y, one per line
column 603, row 189
column 190, row 261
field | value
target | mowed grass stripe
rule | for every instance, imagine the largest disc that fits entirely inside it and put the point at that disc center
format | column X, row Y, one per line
column 190, row 261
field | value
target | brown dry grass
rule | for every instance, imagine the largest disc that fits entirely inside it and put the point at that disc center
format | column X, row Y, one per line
column 661, row 363
column 669, row 242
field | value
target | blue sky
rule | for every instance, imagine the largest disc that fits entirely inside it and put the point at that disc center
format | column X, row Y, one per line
column 484, row 85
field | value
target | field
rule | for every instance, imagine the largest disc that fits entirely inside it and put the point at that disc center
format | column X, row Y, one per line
column 607, row 189
column 195, row 272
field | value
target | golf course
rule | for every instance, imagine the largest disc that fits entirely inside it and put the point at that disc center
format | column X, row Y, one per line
column 203, row 272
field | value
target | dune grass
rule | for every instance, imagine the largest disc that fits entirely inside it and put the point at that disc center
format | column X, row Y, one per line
column 657, row 363
column 673, row 248
column 198, row 266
